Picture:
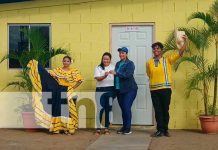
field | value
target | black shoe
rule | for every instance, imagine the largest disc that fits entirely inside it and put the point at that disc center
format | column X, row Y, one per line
column 120, row 131
column 127, row 131
column 158, row 134
column 167, row 134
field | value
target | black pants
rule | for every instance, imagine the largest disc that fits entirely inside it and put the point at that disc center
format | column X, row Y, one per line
column 103, row 96
column 161, row 101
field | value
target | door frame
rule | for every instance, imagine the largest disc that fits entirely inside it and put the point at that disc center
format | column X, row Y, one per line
column 111, row 25
column 130, row 24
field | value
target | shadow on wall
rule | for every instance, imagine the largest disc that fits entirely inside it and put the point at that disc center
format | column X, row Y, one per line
column 86, row 113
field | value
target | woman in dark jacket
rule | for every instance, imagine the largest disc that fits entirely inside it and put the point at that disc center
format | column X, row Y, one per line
column 126, row 88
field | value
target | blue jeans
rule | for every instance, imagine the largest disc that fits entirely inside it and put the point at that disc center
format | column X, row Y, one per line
column 125, row 101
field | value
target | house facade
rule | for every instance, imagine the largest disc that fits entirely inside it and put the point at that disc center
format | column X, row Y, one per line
column 88, row 28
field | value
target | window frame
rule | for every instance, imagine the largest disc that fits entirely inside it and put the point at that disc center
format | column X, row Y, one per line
column 29, row 25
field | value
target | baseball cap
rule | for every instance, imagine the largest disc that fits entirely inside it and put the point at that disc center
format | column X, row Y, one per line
column 124, row 49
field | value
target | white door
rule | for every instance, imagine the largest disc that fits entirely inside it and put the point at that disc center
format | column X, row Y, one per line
column 138, row 39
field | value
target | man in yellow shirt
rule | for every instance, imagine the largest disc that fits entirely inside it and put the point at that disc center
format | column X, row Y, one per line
column 159, row 71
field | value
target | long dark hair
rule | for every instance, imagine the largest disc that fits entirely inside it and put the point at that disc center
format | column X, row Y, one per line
column 105, row 54
column 68, row 57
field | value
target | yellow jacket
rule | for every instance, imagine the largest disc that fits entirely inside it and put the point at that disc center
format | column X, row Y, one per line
column 160, row 74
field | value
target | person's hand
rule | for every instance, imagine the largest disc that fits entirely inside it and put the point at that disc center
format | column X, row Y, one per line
column 106, row 74
column 185, row 38
column 112, row 72
column 184, row 47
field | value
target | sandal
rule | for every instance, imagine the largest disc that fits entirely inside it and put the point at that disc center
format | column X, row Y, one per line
column 68, row 133
column 98, row 132
column 56, row 132
column 106, row 131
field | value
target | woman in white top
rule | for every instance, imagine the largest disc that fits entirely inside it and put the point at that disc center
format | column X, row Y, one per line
column 104, row 92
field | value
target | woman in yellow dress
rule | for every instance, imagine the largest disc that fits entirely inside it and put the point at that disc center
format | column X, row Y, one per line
column 51, row 90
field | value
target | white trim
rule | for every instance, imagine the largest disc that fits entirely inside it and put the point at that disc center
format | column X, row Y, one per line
column 165, row 71
column 29, row 25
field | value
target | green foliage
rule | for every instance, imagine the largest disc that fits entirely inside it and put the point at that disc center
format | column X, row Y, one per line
column 196, row 79
column 39, row 51
column 196, row 60
column 200, row 39
column 211, row 110
column 205, row 17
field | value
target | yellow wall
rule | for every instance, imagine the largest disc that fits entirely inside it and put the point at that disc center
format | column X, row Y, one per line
column 83, row 27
